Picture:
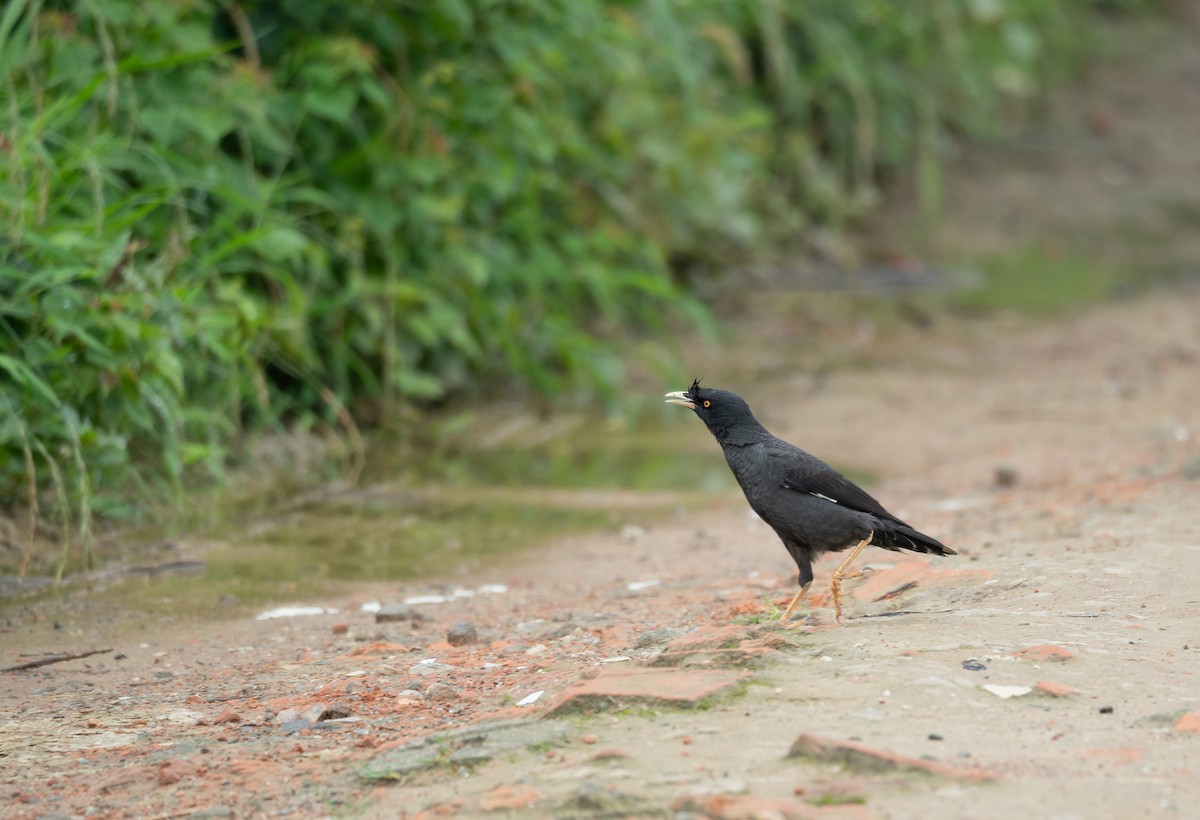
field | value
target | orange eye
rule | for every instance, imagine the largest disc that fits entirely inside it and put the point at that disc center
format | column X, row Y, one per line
column 707, row 403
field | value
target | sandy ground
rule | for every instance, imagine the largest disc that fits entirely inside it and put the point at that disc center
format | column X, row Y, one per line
column 1061, row 458
column 1093, row 551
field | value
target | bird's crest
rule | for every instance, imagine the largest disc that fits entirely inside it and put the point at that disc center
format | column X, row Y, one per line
column 694, row 388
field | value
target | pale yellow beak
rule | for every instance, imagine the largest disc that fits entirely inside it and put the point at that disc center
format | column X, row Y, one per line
column 680, row 397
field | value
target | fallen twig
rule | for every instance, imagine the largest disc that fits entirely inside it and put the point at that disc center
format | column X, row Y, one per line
column 53, row 659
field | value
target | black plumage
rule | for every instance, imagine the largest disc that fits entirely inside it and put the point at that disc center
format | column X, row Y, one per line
column 812, row 507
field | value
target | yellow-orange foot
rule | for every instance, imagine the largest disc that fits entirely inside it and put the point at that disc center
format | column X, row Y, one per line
column 840, row 574
column 796, row 599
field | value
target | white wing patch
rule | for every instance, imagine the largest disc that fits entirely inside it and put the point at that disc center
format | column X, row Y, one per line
column 822, row 495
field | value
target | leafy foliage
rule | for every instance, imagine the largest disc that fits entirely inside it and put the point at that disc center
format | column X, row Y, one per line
column 217, row 217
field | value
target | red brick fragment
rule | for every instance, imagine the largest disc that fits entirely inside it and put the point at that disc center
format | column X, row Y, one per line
column 1054, row 690
column 1188, row 722
column 1046, row 652
column 227, row 716
column 510, row 798
column 176, row 769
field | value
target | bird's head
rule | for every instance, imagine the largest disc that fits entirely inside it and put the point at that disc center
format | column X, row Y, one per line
column 723, row 412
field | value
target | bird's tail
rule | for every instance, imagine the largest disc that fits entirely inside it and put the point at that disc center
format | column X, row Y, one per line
column 896, row 535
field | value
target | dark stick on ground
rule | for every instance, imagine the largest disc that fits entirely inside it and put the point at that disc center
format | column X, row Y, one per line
column 49, row 659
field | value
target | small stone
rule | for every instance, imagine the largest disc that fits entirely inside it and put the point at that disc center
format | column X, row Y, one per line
column 293, row 726
column 441, row 692
column 588, row 739
column 430, row 668
column 313, row 713
column 227, row 716
column 972, row 665
column 1106, row 710
column 183, row 717
column 287, row 715
column 340, row 628
column 462, row 633
column 1006, row 477
column 935, row 736
column 335, row 712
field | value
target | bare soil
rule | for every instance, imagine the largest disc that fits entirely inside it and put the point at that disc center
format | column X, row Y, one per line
column 1061, row 457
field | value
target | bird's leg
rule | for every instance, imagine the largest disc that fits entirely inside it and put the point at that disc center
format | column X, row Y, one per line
column 797, row 598
column 840, row 574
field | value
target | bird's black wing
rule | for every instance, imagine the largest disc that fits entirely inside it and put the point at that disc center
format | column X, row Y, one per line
column 819, row 479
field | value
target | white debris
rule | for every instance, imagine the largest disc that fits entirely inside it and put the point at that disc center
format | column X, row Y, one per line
column 531, row 698
column 1007, row 692
column 616, row 659
column 294, row 612
column 437, row 598
column 634, row 586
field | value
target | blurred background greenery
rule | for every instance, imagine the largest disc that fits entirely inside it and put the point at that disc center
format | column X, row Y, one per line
column 219, row 218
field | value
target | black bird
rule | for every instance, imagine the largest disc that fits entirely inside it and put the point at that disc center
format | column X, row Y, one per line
column 812, row 507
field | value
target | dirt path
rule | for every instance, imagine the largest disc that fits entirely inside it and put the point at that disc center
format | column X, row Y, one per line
column 1061, row 458
column 1092, row 551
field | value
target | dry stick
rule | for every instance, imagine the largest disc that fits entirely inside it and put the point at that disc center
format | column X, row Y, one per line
column 358, row 449
column 53, row 659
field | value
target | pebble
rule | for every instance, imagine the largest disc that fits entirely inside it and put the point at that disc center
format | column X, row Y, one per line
column 441, row 692
column 462, row 633
column 1006, row 477
column 313, row 713
column 335, row 712
column 430, row 668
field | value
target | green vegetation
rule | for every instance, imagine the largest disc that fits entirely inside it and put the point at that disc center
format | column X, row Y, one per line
column 219, row 217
